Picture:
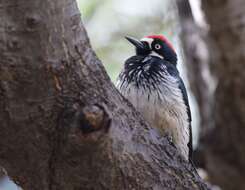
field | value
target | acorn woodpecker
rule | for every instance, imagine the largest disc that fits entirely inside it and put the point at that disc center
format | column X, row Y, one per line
column 151, row 82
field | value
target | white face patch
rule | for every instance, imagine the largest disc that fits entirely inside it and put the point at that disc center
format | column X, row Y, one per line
column 153, row 53
column 149, row 41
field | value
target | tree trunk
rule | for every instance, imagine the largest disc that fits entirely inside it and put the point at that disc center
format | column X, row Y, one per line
column 225, row 145
column 63, row 123
column 194, row 41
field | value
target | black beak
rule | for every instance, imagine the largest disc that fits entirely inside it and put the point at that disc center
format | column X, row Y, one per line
column 138, row 44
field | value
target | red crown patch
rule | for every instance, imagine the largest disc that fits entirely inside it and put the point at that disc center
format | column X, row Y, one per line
column 163, row 38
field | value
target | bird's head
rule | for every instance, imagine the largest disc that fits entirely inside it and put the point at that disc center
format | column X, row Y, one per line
column 155, row 45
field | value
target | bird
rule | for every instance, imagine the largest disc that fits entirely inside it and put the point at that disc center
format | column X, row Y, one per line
column 151, row 82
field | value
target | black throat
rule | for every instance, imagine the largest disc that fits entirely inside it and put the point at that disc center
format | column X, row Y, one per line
column 146, row 71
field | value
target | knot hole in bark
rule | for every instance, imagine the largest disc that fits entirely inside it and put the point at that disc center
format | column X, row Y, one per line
column 94, row 118
column 32, row 22
column 86, row 119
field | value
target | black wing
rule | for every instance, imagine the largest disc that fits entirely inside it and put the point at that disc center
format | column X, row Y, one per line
column 172, row 70
column 185, row 97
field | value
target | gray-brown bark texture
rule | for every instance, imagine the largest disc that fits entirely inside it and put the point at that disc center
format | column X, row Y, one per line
column 194, row 41
column 225, row 146
column 63, row 124
column 196, row 59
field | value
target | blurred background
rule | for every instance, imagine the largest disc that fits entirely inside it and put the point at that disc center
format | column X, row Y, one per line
column 209, row 37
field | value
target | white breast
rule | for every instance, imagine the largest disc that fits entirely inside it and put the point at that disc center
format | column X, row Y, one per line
column 163, row 109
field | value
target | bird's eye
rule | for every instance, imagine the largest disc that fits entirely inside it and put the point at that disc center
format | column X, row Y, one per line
column 158, row 46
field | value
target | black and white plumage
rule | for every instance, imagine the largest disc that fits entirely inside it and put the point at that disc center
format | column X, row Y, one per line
column 151, row 82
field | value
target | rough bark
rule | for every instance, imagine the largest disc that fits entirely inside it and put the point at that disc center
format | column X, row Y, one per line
column 225, row 145
column 63, row 123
